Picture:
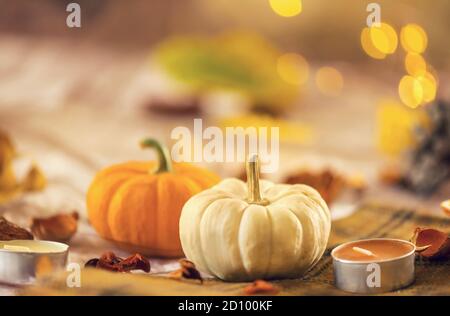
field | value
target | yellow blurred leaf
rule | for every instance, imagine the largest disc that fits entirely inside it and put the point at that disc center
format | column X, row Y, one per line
column 10, row 187
column 396, row 126
column 299, row 133
column 35, row 180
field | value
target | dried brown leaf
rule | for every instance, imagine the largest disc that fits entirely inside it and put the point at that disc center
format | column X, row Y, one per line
column 187, row 270
column 261, row 287
column 432, row 243
column 109, row 261
column 10, row 231
column 329, row 183
column 60, row 227
column 445, row 205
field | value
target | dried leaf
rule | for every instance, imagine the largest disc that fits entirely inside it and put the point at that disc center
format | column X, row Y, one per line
column 10, row 231
column 35, row 180
column 329, row 183
column 8, row 181
column 135, row 262
column 432, row 243
column 91, row 263
column 390, row 175
column 261, row 287
column 59, row 227
column 446, row 207
column 187, row 270
column 10, row 187
column 109, row 261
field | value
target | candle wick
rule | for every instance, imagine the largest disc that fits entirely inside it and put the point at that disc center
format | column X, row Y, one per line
column 363, row 251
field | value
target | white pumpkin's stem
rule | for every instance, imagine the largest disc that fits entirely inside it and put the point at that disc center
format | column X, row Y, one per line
column 164, row 162
column 254, row 194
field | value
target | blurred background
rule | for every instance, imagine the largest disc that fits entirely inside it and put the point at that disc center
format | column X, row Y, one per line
column 353, row 103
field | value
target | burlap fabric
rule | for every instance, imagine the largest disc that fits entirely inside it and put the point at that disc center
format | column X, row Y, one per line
column 432, row 277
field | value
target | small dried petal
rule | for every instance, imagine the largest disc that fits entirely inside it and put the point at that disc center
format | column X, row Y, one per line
column 35, row 180
column 433, row 243
column 177, row 274
column 10, row 231
column 390, row 175
column 135, row 262
column 187, row 270
column 446, row 207
column 261, row 287
column 328, row 182
column 109, row 261
column 59, row 227
column 91, row 263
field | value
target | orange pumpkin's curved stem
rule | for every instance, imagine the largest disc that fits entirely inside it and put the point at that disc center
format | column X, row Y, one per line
column 254, row 193
column 164, row 161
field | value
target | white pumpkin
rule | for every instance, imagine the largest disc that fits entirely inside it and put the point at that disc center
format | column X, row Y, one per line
column 235, row 233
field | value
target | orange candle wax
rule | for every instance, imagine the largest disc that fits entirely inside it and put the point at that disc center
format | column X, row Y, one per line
column 373, row 250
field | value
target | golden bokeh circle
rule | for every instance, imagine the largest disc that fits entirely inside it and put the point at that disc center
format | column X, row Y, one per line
column 413, row 38
column 293, row 68
column 286, row 8
column 368, row 47
column 384, row 38
column 410, row 91
column 429, row 87
column 329, row 81
column 415, row 64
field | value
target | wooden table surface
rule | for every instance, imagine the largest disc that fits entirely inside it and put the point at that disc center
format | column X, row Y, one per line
column 75, row 109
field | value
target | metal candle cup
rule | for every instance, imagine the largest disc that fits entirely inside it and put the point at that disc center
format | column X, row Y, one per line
column 374, row 275
column 22, row 260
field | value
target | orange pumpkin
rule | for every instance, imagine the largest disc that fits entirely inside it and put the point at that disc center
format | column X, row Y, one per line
column 138, row 204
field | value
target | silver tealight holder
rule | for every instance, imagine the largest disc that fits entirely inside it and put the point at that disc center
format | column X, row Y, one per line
column 369, row 271
column 21, row 261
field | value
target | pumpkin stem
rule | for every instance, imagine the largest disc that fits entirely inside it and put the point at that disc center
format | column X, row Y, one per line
column 254, row 194
column 164, row 161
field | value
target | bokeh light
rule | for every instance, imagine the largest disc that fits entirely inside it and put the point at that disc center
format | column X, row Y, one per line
column 384, row 38
column 293, row 68
column 396, row 125
column 368, row 47
column 379, row 41
column 410, row 91
column 286, row 8
column 413, row 38
column 415, row 64
column 429, row 87
column 329, row 81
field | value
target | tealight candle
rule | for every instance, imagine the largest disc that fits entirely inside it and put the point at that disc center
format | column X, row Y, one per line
column 22, row 260
column 373, row 265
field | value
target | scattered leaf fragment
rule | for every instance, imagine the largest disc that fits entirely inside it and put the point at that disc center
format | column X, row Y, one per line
column 187, row 270
column 10, row 186
column 7, row 153
column 134, row 262
column 261, row 287
column 390, row 175
column 357, row 182
column 329, row 183
column 10, row 231
column 60, row 227
column 433, row 243
column 92, row 263
column 35, row 180
column 109, row 261
column 446, row 207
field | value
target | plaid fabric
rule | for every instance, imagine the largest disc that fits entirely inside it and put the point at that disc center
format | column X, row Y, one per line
column 432, row 277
